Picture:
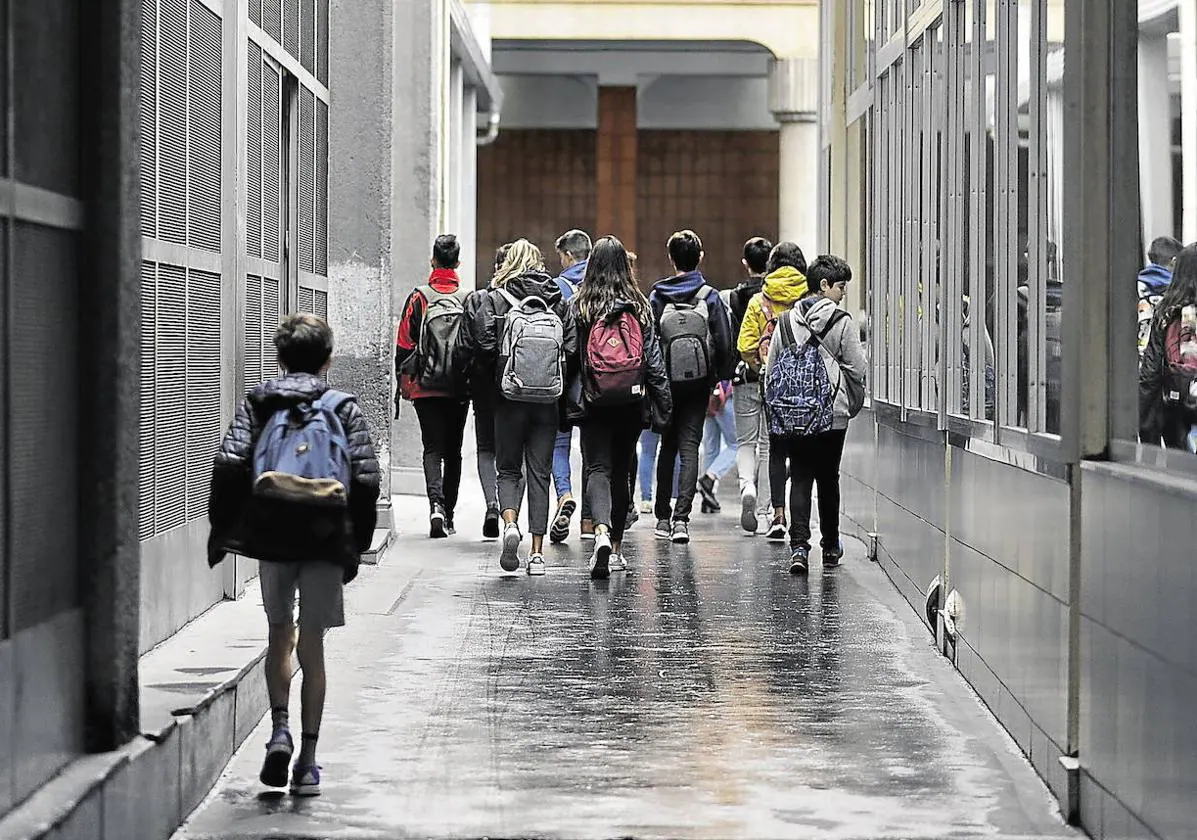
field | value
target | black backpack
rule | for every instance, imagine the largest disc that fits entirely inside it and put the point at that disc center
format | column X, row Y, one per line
column 436, row 367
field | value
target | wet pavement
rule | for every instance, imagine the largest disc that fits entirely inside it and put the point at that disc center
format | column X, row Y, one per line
column 705, row 693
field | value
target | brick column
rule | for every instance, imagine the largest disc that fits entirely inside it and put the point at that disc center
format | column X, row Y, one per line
column 616, row 164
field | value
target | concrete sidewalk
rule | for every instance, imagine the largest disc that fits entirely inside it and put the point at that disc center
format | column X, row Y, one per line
column 705, row 693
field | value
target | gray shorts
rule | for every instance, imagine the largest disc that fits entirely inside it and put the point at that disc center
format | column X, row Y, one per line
column 321, row 593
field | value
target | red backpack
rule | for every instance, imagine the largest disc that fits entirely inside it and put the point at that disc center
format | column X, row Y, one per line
column 613, row 365
column 771, row 315
column 1180, row 371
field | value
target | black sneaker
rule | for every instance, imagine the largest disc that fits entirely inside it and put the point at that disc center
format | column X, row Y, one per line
column 450, row 528
column 706, row 487
column 777, row 529
column 799, row 560
column 437, row 523
column 559, row 533
column 681, row 532
column 833, row 556
column 633, row 516
column 664, row 530
column 490, row 525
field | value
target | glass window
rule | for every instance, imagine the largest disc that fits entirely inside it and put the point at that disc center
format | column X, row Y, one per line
column 1052, row 231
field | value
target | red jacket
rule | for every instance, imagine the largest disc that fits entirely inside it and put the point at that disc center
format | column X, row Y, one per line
column 443, row 280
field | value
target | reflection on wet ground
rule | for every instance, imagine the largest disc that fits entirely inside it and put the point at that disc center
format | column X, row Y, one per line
column 705, row 693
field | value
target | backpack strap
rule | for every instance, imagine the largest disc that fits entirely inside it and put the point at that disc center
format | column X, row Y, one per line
column 511, row 299
column 704, row 292
column 333, row 400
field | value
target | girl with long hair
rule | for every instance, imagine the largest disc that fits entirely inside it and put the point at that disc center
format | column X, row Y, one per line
column 624, row 390
column 1166, row 409
column 525, row 431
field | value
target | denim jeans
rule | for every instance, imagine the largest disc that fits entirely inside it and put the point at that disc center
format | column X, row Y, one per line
column 649, row 442
column 752, row 441
column 719, row 445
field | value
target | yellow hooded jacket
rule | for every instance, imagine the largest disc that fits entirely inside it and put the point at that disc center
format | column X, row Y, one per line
column 781, row 290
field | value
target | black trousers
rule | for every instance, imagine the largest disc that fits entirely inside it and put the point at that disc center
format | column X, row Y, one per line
column 442, row 428
column 807, row 460
column 609, row 438
column 525, row 434
column 681, row 439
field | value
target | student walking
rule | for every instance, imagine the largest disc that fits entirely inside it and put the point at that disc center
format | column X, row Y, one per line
column 696, row 343
column 784, row 285
column 718, row 444
column 624, row 389
column 1168, row 371
column 814, row 384
column 430, row 377
column 308, row 532
column 525, row 331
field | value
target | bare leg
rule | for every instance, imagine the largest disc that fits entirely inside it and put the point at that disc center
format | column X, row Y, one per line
column 537, row 543
column 278, row 664
column 311, row 660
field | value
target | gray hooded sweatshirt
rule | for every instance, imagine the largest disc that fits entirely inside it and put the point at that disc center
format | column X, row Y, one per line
column 843, row 353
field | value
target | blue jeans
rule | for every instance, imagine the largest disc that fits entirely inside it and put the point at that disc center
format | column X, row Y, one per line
column 647, row 469
column 562, row 479
column 719, row 441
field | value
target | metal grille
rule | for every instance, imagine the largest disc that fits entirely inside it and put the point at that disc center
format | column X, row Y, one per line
column 271, row 302
column 255, row 11
column 321, row 245
column 170, row 399
column 148, row 109
column 254, row 152
column 307, row 35
column 272, row 118
column 272, row 19
column 320, row 305
column 44, row 39
column 291, row 27
column 145, row 479
column 322, row 41
column 307, row 299
column 252, row 334
column 203, row 385
column 204, row 128
column 43, row 420
column 307, row 178
column 172, row 136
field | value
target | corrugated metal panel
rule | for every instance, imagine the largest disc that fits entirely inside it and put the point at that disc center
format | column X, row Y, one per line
column 204, row 128
column 45, row 93
column 272, row 19
column 203, row 385
column 172, row 61
column 322, row 41
column 321, row 246
column 306, row 299
column 145, row 478
column 43, row 390
column 170, row 399
column 255, row 11
column 254, row 152
column 272, row 118
column 252, row 330
column 307, row 35
column 320, row 305
column 307, row 178
column 291, row 27
column 148, row 109
column 271, row 307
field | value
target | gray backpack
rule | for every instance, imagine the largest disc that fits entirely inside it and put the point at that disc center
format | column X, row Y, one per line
column 532, row 347
column 686, row 339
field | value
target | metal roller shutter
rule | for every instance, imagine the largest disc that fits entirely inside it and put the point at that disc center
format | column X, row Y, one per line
column 307, row 179
column 291, row 27
column 322, row 41
column 170, row 399
column 148, row 109
column 203, row 385
column 254, row 152
column 172, row 121
column 321, row 246
column 146, row 475
column 307, row 35
column 272, row 19
column 255, row 11
column 272, row 117
column 252, row 331
column 203, row 136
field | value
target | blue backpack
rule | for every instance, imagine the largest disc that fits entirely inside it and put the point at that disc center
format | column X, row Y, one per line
column 799, row 395
column 302, row 454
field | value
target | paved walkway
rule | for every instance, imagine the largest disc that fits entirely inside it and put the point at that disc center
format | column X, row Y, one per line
column 704, row 694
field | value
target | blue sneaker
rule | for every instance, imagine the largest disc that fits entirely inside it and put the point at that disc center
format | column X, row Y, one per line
column 278, row 756
column 832, row 556
column 305, row 781
column 799, row 560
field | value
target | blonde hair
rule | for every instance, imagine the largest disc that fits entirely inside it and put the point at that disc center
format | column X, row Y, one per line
column 521, row 258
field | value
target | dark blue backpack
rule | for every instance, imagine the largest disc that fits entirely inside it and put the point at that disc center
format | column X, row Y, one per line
column 799, row 395
column 302, row 454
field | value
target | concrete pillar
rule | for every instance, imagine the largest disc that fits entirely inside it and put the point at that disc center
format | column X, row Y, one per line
column 616, row 165
column 794, row 100
column 1155, row 136
column 1188, row 111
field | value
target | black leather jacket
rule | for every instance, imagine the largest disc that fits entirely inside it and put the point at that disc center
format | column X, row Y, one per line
column 241, row 524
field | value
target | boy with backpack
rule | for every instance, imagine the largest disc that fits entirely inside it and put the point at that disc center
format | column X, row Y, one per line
column 430, row 377
column 295, row 484
column 814, row 384
column 695, row 333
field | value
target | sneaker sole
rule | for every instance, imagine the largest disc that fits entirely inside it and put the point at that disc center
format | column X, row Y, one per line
column 680, row 539
column 798, row 568
column 536, row 569
column 560, row 531
column 305, row 790
column 509, row 560
column 436, row 527
column 275, row 769
column 748, row 519
column 601, row 567
column 831, row 562
column 776, row 536
column 662, row 536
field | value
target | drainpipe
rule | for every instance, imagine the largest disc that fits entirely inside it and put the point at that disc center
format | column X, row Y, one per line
column 492, row 129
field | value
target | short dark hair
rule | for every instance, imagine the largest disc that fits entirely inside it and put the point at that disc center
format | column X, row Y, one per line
column 1163, row 250
column 446, row 251
column 685, row 250
column 786, row 254
column 574, row 242
column 756, row 254
column 830, row 268
column 304, row 343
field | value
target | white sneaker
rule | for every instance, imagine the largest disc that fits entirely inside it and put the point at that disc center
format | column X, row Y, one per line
column 509, row 559
column 618, row 563
column 646, row 507
column 536, row 565
column 600, row 560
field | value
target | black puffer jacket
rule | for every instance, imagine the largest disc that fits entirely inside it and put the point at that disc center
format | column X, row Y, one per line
column 243, row 524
